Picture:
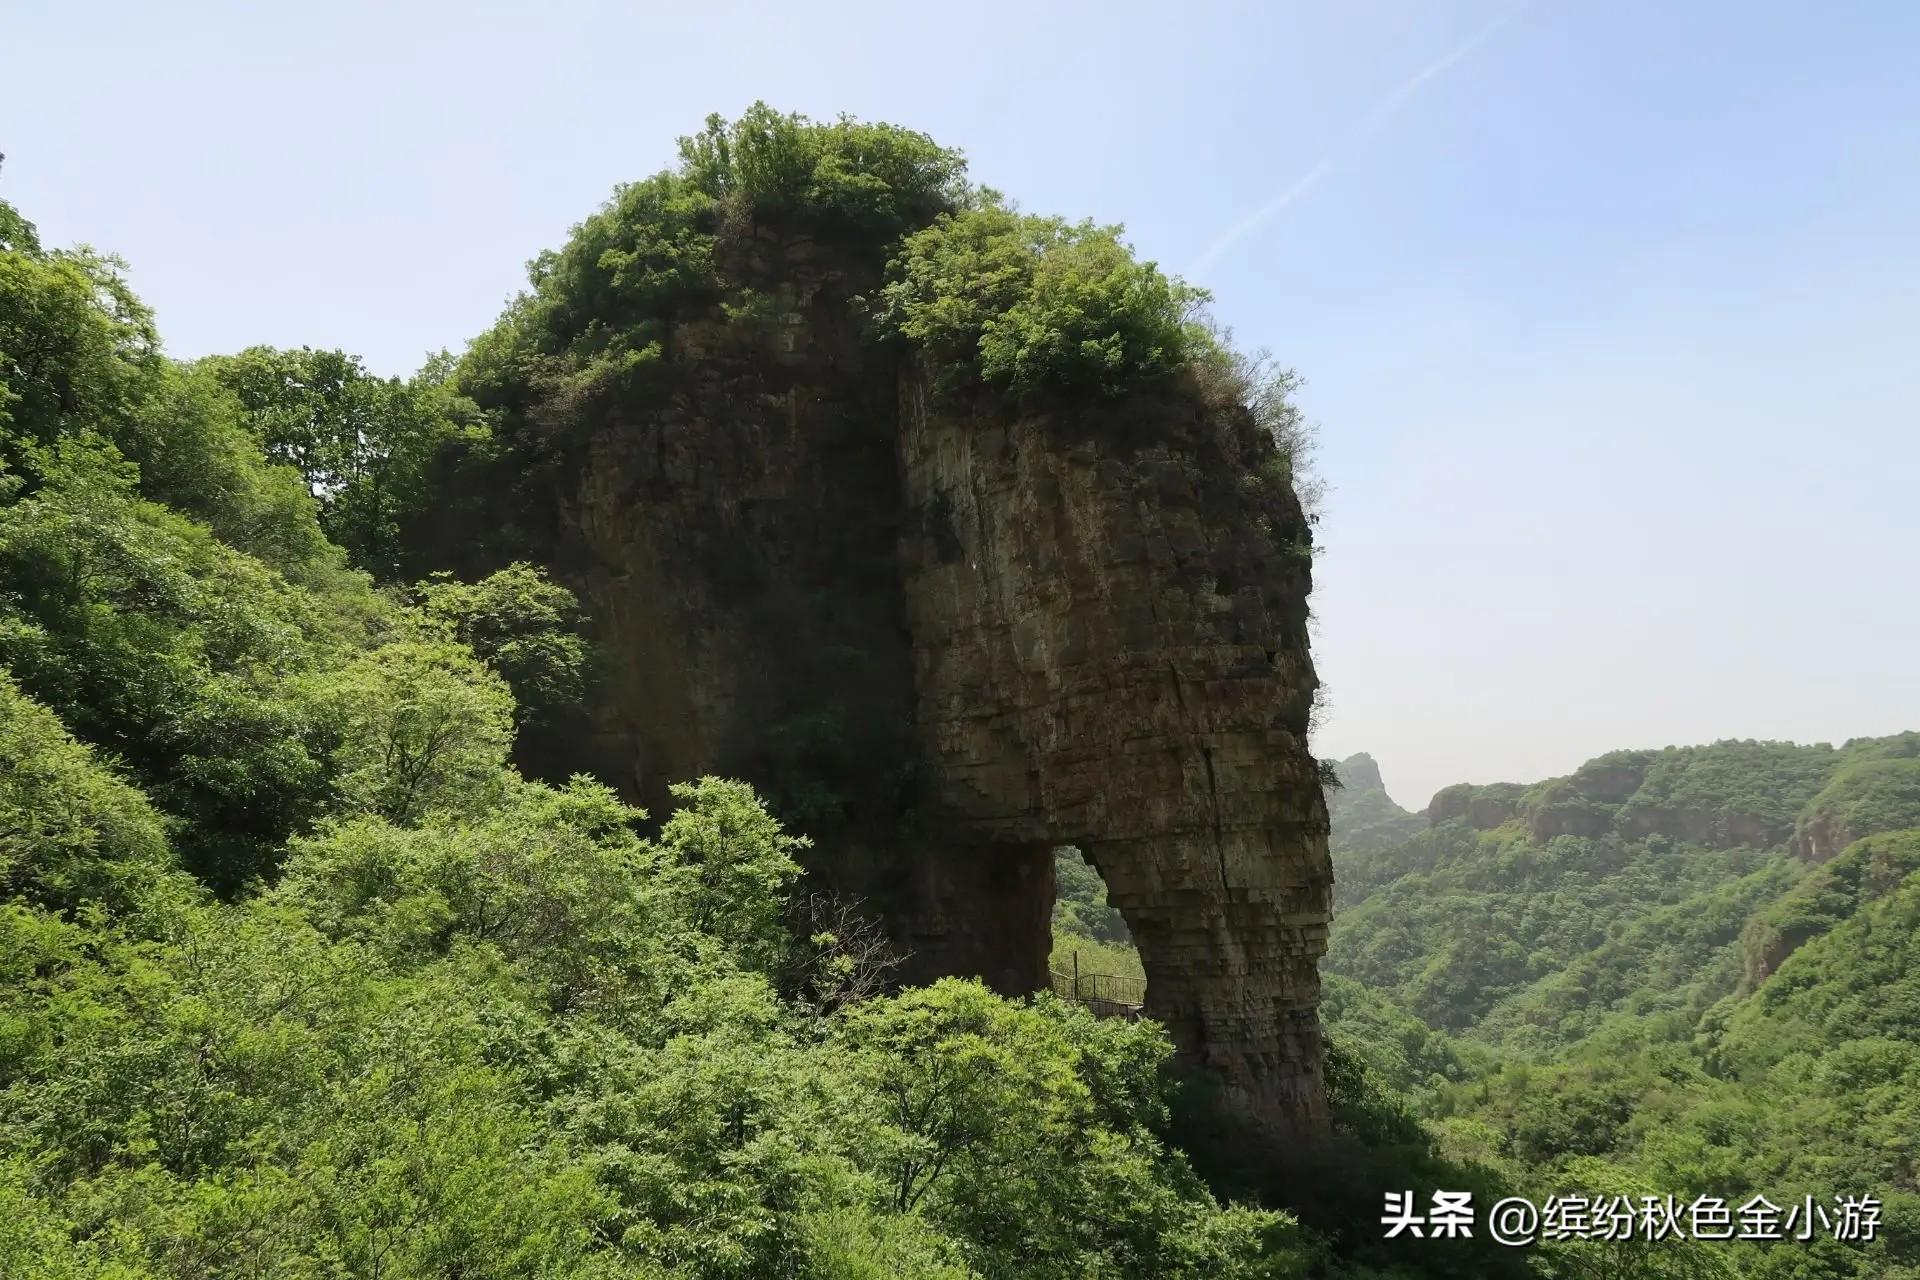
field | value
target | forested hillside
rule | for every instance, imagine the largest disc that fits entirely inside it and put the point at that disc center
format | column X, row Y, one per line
column 1653, row 977
column 1662, row 974
column 1526, row 916
column 299, row 977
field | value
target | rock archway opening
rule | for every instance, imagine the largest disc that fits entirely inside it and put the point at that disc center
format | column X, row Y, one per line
column 1093, row 958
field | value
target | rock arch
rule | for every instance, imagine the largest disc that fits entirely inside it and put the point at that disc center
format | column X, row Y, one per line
column 949, row 639
column 1082, row 678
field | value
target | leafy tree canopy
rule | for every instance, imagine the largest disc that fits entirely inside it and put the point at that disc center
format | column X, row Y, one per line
column 363, row 444
column 1030, row 304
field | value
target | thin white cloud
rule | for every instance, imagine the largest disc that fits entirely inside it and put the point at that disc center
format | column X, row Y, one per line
column 1354, row 135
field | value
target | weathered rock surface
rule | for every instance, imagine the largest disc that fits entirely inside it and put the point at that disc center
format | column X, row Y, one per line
column 1110, row 651
column 946, row 640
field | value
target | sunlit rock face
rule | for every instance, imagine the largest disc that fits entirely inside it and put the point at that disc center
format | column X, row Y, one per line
column 1109, row 650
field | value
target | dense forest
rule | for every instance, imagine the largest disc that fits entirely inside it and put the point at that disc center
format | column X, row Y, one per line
column 1689, row 971
column 301, row 975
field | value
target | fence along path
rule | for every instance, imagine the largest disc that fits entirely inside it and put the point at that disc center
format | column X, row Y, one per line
column 1109, row 995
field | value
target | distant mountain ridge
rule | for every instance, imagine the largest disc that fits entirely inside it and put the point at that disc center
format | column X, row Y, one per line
column 1526, row 914
column 1726, row 794
column 1363, row 814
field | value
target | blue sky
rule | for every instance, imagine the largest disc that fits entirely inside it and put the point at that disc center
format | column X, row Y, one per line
column 1609, row 322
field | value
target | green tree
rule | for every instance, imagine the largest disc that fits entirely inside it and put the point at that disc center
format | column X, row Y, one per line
column 1029, row 304
column 75, row 343
column 71, row 832
column 729, row 864
column 523, row 625
column 187, row 436
column 1030, row 1132
column 161, row 645
column 363, row 444
column 413, row 726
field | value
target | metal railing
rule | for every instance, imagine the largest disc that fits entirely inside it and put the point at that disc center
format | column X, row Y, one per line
column 1103, row 992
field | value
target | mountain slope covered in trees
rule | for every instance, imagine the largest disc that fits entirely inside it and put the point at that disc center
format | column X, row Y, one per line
column 1654, row 977
column 1659, row 975
column 299, row 977
column 1526, row 915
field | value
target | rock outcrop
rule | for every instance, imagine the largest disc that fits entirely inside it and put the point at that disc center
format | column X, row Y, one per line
column 1110, row 651
column 1359, row 774
column 1364, row 817
column 1481, row 807
column 947, row 636
column 1869, row 795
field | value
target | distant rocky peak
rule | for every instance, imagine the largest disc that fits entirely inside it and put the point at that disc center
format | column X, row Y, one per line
column 1360, row 772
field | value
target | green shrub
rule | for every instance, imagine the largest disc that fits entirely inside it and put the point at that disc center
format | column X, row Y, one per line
column 70, row 831
column 411, row 727
column 1028, row 304
column 871, row 179
column 522, row 624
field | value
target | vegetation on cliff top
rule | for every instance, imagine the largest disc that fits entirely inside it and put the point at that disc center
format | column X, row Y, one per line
column 1032, row 304
column 998, row 300
column 1025, row 303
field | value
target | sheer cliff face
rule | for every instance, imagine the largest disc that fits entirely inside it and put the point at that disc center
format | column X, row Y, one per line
column 1109, row 650
column 946, row 640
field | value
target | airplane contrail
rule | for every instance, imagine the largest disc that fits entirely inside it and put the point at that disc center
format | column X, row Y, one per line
column 1356, row 133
